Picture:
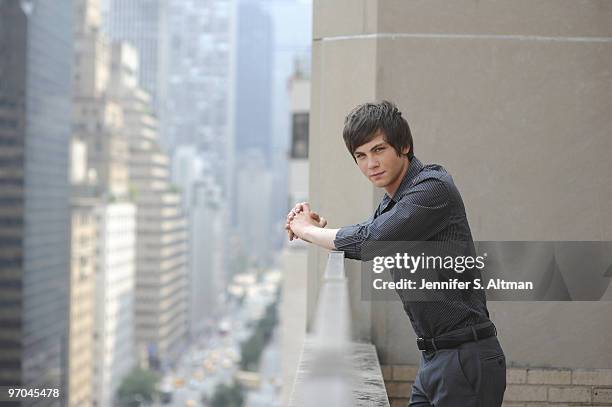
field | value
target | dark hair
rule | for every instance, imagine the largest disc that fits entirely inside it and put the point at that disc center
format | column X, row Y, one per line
column 364, row 121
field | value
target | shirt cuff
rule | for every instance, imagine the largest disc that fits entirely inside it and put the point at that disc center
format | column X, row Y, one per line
column 347, row 241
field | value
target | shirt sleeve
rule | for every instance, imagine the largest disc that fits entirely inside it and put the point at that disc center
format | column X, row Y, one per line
column 417, row 216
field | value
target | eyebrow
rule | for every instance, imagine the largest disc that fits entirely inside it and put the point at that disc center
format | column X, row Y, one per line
column 372, row 149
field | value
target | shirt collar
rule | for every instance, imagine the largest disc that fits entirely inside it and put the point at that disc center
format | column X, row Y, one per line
column 413, row 169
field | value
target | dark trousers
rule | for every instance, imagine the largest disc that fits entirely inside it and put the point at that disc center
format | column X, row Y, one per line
column 470, row 375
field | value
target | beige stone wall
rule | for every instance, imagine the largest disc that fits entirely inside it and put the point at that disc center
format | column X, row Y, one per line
column 514, row 99
column 335, row 183
column 524, row 387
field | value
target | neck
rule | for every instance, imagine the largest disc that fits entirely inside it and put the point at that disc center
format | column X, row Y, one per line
column 392, row 188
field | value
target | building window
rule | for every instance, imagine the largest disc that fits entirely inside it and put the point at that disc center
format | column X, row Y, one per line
column 299, row 136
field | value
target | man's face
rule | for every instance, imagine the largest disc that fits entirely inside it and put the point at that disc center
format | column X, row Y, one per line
column 379, row 162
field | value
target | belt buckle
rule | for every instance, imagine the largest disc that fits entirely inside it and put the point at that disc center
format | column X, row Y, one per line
column 421, row 344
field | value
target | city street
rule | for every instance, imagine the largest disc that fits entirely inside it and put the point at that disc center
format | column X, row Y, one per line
column 215, row 358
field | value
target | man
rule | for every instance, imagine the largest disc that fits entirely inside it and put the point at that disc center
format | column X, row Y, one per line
column 462, row 363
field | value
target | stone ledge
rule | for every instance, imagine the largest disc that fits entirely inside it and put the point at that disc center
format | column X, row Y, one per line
column 366, row 376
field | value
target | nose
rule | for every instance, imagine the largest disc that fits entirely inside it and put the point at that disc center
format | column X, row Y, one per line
column 372, row 163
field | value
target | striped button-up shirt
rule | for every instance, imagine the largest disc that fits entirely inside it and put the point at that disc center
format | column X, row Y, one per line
column 426, row 207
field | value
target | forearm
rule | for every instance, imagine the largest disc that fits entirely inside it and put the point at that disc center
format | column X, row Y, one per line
column 322, row 237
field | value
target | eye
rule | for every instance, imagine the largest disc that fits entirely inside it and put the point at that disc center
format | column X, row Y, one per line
column 379, row 149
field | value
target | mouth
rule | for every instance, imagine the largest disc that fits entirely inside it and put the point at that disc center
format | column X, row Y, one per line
column 378, row 174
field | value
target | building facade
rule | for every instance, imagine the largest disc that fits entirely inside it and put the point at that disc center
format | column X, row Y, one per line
column 199, row 76
column 161, row 253
column 203, row 204
column 206, row 253
column 83, row 266
column 143, row 24
column 114, row 337
column 34, row 193
column 99, row 174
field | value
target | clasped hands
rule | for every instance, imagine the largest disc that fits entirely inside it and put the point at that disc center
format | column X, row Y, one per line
column 300, row 218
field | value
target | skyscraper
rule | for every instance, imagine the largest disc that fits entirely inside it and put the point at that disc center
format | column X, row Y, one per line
column 161, row 263
column 254, row 47
column 254, row 185
column 102, row 209
column 34, row 192
column 199, row 72
column 143, row 24
column 199, row 79
column 139, row 82
column 251, row 115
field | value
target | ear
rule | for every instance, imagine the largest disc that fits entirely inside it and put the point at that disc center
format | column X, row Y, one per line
column 405, row 150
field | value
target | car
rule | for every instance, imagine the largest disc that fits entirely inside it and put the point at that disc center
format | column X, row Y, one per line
column 179, row 382
column 165, row 398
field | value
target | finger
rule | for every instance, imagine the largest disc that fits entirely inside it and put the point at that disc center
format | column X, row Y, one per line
column 322, row 222
column 305, row 206
column 315, row 216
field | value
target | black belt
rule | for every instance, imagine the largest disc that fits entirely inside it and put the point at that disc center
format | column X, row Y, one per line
column 455, row 338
